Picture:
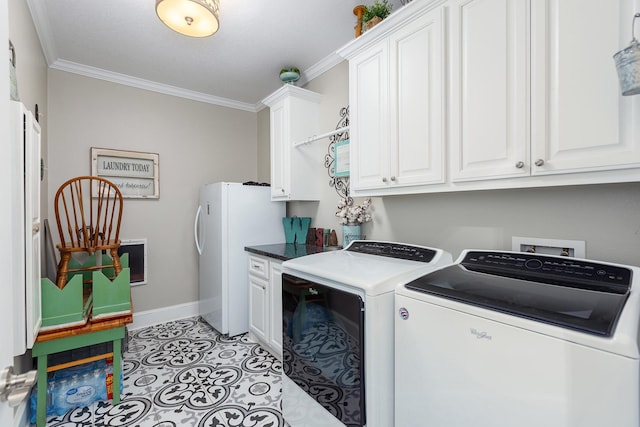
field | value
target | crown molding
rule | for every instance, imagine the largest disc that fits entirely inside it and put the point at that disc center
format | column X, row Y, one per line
column 321, row 67
column 123, row 79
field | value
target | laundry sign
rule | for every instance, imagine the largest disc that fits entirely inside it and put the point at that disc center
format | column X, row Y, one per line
column 135, row 173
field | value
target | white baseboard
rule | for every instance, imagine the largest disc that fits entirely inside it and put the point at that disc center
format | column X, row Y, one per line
column 142, row 319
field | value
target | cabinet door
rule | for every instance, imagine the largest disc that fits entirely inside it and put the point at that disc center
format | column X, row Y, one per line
column 279, row 151
column 258, row 312
column 275, row 296
column 417, row 101
column 489, row 89
column 25, row 240
column 368, row 95
column 33, row 228
column 580, row 120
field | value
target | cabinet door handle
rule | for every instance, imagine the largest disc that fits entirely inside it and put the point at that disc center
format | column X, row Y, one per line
column 539, row 162
column 393, row 178
column 520, row 165
column 282, row 190
column 384, row 179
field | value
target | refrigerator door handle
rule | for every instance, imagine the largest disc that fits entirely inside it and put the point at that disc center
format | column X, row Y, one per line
column 195, row 230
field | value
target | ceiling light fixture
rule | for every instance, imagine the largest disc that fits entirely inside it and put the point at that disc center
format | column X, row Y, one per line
column 194, row 18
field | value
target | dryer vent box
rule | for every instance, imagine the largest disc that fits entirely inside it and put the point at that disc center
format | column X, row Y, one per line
column 570, row 248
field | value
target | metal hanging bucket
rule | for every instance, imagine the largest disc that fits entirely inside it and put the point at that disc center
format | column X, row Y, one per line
column 628, row 64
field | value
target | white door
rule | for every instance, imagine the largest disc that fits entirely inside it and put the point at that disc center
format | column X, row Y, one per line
column 489, row 87
column 369, row 95
column 417, row 101
column 258, row 307
column 6, row 254
column 279, row 147
column 580, row 120
column 33, row 226
column 275, row 305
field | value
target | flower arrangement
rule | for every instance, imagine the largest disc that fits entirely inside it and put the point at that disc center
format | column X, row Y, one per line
column 353, row 214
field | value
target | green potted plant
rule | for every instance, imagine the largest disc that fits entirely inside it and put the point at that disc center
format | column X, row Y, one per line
column 375, row 13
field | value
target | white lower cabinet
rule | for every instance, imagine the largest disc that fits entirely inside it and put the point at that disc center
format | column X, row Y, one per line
column 275, row 305
column 259, row 307
column 265, row 297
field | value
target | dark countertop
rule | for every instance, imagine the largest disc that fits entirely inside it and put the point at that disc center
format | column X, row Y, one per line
column 287, row 251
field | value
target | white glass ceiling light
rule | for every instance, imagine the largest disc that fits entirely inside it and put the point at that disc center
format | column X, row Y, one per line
column 195, row 18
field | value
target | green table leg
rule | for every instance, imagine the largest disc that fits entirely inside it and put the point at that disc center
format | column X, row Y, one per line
column 41, row 406
column 117, row 369
column 41, row 350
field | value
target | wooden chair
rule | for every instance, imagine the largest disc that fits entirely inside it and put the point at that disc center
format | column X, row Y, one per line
column 88, row 211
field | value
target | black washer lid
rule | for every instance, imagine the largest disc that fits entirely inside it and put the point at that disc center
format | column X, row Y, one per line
column 573, row 294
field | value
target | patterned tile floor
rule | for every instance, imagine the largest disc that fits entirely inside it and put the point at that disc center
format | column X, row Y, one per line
column 184, row 373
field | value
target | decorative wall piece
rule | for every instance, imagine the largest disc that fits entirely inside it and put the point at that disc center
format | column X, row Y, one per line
column 341, row 152
column 340, row 180
column 135, row 173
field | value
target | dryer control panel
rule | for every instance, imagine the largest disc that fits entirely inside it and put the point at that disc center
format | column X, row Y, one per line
column 393, row 250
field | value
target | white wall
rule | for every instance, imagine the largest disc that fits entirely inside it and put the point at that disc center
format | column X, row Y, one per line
column 197, row 143
column 264, row 153
column 607, row 217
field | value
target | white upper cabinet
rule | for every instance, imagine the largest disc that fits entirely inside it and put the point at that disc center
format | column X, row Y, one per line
column 459, row 95
column 396, row 96
column 489, row 85
column 580, row 122
column 368, row 110
column 534, row 89
column 296, row 168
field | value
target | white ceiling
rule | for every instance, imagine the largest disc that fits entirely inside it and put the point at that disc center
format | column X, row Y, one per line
column 124, row 41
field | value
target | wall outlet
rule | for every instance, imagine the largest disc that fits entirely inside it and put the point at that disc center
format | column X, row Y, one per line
column 570, row 248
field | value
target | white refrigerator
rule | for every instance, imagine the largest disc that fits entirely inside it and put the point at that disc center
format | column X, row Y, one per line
column 231, row 216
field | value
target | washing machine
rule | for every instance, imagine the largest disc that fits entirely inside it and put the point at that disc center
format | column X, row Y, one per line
column 338, row 316
column 503, row 339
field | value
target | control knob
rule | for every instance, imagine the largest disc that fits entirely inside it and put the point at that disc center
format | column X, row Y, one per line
column 533, row 264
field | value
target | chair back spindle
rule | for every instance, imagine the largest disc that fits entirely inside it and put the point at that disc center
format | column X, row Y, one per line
column 88, row 212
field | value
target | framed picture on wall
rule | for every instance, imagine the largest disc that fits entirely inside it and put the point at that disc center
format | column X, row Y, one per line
column 342, row 158
column 135, row 173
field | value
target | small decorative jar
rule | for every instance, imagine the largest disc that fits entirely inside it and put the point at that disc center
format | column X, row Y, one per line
column 351, row 232
column 289, row 77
